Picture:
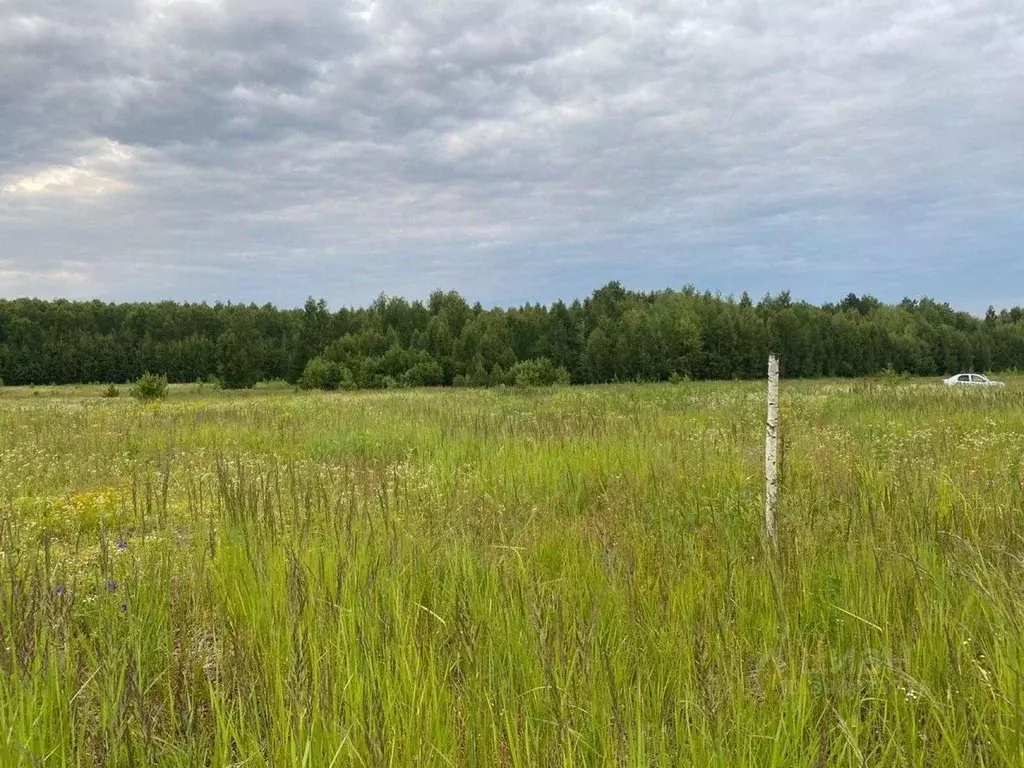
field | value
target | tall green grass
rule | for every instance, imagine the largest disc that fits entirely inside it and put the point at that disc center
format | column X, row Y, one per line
column 565, row 577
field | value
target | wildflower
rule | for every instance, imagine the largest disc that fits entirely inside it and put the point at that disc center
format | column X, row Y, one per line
column 124, row 607
column 61, row 590
column 122, row 545
column 111, row 585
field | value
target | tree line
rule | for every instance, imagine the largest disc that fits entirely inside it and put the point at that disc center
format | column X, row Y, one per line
column 613, row 335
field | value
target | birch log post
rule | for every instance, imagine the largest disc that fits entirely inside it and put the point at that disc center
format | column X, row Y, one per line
column 771, row 452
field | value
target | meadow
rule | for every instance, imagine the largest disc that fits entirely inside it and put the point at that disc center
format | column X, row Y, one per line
column 550, row 577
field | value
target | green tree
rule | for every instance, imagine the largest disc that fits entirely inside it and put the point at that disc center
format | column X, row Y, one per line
column 238, row 353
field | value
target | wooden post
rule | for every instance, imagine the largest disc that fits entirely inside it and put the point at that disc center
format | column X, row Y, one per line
column 771, row 452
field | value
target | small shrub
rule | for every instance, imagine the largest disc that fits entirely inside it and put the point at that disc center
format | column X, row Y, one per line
column 111, row 391
column 345, row 378
column 316, row 374
column 321, row 373
column 540, row 372
column 891, row 376
column 273, row 385
column 150, row 387
column 425, row 374
column 240, row 377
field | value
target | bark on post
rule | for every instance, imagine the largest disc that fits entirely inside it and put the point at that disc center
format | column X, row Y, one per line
column 771, row 452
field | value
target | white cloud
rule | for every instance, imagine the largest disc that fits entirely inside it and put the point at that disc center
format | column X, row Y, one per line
column 90, row 174
column 68, row 281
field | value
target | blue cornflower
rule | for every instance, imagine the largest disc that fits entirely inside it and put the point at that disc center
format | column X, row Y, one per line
column 111, row 585
column 122, row 545
column 61, row 590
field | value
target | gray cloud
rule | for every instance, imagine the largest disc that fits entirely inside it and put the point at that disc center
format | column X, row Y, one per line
column 267, row 149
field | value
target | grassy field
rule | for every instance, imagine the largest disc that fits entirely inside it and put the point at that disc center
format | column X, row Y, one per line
column 561, row 577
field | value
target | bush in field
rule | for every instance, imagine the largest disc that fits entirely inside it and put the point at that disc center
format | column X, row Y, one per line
column 540, row 372
column 111, row 391
column 321, row 373
column 150, row 387
column 344, row 377
column 891, row 376
column 477, row 376
column 236, row 348
column 425, row 374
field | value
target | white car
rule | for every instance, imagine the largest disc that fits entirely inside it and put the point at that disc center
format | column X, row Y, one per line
column 971, row 380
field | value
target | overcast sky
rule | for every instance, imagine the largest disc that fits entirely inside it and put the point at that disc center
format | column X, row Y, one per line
column 515, row 150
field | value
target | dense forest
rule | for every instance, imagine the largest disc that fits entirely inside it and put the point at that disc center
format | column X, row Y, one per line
column 614, row 334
